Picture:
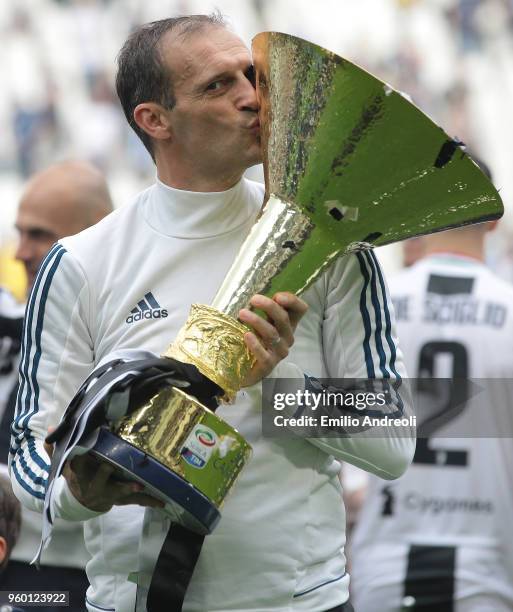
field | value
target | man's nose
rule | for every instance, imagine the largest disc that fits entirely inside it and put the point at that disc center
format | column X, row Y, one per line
column 24, row 252
column 247, row 99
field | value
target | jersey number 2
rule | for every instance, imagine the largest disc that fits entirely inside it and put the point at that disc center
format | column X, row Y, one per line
column 449, row 402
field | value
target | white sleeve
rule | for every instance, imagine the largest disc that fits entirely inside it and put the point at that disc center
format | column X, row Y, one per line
column 359, row 342
column 57, row 355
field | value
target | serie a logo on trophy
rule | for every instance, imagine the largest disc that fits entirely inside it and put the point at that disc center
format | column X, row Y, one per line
column 349, row 164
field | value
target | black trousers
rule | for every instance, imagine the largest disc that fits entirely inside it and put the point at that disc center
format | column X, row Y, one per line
column 19, row 576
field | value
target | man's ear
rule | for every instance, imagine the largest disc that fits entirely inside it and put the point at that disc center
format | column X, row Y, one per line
column 153, row 119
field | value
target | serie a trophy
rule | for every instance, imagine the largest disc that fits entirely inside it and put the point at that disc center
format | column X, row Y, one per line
column 350, row 164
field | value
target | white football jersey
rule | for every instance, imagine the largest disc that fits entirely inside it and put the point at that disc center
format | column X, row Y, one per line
column 442, row 531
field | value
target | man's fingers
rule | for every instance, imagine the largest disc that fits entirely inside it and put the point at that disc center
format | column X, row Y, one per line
column 265, row 330
column 278, row 319
column 104, row 479
column 141, row 499
column 259, row 352
column 95, row 485
column 273, row 337
column 294, row 306
column 103, row 474
column 121, row 491
column 89, row 469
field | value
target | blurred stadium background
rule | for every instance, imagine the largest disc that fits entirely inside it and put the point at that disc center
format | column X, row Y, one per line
column 57, row 59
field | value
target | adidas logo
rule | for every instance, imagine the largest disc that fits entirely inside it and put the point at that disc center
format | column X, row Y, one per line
column 147, row 308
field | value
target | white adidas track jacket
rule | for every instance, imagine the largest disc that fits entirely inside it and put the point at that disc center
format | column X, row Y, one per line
column 128, row 283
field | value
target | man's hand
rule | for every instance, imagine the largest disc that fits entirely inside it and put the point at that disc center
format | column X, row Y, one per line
column 274, row 336
column 94, row 485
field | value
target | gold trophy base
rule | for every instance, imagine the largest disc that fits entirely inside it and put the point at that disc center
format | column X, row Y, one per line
column 167, row 428
column 182, row 452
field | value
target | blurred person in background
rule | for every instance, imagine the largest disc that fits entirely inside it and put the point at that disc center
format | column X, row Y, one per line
column 99, row 138
column 29, row 85
column 59, row 201
column 10, row 521
column 412, row 250
column 442, row 530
